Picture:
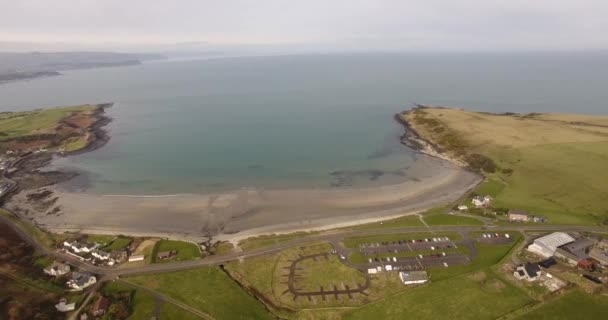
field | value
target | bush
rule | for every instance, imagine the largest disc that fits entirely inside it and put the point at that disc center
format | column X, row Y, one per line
column 480, row 162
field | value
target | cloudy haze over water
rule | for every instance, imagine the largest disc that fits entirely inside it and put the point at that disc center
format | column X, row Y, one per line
column 320, row 25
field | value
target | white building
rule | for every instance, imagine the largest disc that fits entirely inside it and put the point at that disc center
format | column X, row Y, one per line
column 57, row 269
column 372, row 271
column 546, row 246
column 413, row 277
column 462, row 207
column 79, row 247
column 101, row 255
column 64, row 306
column 139, row 258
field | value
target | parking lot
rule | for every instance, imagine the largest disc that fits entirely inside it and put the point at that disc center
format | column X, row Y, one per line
column 495, row 238
column 417, row 263
column 439, row 243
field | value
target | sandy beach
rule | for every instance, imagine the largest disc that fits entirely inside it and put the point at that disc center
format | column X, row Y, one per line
column 247, row 212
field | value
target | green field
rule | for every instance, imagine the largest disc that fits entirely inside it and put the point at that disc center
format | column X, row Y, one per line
column 141, row 305
column 119, row 243
column 451, row 220
column 271, row 239
column 17, row 124
column 548, row 164
column 209, row 290
column 462, row 297
column 573, row 305
column 169, row 311
column 185, row 250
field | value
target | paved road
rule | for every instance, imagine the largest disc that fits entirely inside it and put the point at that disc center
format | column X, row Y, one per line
column 330, row 236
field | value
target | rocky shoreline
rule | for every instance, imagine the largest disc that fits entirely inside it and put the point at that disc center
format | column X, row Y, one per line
column 412, row 139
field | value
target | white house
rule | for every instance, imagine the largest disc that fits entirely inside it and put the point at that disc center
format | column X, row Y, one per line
column 57, row 269
column 64, row 306
column 462, row 207
column 80, row 247
column 529, row 272
column 101, row 255
column 80, row 280
column 481, row 202
column 546, row 246
column 413, row 277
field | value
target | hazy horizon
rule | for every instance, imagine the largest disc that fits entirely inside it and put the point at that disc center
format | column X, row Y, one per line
column 314, row 26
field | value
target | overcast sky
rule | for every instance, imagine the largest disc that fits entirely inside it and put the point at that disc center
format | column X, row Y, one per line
column 335, row 24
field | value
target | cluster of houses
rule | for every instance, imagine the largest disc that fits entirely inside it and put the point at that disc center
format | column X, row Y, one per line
column 479, row 202
column 91, row 252
column 75, row 281
column 585, row 253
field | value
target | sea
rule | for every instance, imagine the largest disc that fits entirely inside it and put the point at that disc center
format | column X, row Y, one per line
column 291, row 121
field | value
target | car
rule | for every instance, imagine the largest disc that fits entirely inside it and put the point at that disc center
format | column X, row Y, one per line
column 443, row 254
column 395, row 251
column 342, row 257
column 394, row 259
column 507, row 235
column 432, row 248
column 445, row 264
column 370, row 260
column 420, row 256
column 426, row 239
column 388, row 259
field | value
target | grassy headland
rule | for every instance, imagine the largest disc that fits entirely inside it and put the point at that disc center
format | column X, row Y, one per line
column 548, row 164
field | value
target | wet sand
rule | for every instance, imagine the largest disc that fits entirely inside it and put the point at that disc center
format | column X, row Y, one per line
column 429, row 182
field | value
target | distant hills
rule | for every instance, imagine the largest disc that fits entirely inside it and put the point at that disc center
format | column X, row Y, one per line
column 28, row 65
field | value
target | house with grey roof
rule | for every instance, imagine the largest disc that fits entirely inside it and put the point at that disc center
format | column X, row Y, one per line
column 529, row 272
column 81, row 280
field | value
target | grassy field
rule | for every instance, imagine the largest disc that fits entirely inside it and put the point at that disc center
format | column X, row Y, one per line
column 169, row 311
column 573, row 305
column 185, row 250
column 142, row 304
column 119, row 243
column 208, row 289
column 550, row 164
column 451, row 220
column 462, row 297
column 17, row 124
column 271, row 239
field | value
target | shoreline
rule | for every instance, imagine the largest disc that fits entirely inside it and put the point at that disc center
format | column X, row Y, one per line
column 414, row 140
column 431, row 181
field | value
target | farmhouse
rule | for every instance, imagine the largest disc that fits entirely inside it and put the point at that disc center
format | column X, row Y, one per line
column 57, row 269
column 481, row 202
column 518, row 216
column 546, row 246
column 413, row 277
column 80, row 280
column 529, row 272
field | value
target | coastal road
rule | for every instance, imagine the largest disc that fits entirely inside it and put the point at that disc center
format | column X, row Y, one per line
column 329, row 236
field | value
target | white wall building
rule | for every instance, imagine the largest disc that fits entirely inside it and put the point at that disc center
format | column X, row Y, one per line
column 546, row 246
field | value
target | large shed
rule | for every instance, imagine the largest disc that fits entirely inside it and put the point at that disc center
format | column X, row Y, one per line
column 546, row 246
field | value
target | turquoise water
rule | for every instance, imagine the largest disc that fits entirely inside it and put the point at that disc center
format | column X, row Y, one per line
column 196, row 126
